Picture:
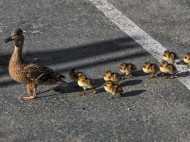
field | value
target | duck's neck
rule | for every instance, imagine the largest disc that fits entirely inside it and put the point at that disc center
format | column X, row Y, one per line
column 17, row 54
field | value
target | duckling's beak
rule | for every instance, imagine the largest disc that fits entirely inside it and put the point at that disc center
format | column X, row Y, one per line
column 8, row 39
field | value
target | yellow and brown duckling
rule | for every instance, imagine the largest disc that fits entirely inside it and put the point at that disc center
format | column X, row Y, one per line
column 112, row 88
column 115, row 77
column 150, row 68
column 74, row 74
column 167, row 68
column 127, row 68
column 30, row 74
column 85, row 83
column 187, row 59
column 170, row 56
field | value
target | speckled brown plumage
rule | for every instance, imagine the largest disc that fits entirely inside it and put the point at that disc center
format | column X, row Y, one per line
column 30, row 74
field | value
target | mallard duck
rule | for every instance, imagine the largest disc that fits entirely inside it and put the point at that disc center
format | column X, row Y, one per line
column 85, row 83
column 112, row 88
column 30, row 74
column 127, row 68
column 167, row 68
column 170, row 56
column 115, row 77
column 150, row 68
column 74, row 74
column 187, row 59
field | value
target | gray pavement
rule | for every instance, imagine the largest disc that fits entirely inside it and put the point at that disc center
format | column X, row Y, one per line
column 66, row 34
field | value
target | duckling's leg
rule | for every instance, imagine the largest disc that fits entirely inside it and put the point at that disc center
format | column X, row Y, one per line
column 111, row 97
column 94, row 91
column 125, row 76
column 83, row 93
column 188, row 66
column 172, row 76
column 33, row 96
column 29, row 88
column 152, row 76
column 162, row 75
column 121, row 94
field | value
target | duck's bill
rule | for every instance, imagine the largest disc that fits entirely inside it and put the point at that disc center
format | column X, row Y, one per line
column 8, row 39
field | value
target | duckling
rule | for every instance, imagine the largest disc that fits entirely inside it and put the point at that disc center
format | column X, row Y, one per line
column 31, row 74
column 112, row 88
column 170, row 56
column 85, row 83
column 115, row 77
column 167, row 68
column 127, row 68
column 74, row 74
column 187, row 59
column 150, row 68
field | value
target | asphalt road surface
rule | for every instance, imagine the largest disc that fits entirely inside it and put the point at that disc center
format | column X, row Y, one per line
column 66, row 34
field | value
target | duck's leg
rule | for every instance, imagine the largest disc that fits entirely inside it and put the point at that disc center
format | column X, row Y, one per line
column 33, row 96
column 29, row 88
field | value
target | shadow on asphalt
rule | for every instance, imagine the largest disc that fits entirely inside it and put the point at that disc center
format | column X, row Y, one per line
column 133, row 93
column 130, row 82
column 77, row 53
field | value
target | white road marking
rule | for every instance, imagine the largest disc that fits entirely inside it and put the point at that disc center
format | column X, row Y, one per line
column 141, row 37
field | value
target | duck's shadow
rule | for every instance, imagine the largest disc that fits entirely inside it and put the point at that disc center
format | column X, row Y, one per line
column 133, row 93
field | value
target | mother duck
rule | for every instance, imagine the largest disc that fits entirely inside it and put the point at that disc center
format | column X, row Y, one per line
column 30, row 74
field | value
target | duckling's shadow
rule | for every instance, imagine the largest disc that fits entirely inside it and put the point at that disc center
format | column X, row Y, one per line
column 99, row 82
column 139, row 73
column 70, row 88
column 183, row 74
column 133, row 93
column 181, row 63
column 130, row 82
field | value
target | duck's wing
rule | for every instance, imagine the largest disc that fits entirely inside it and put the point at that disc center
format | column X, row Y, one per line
column 41, row 73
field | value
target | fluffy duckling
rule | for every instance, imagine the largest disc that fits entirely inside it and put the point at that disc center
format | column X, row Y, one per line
column 85, row 83
column 127, row 68
column 170, row 56
column 112, row 88
column 74, row 74
column 150, row 68
column 167, row 68
column 115, row 77
column 187, row 59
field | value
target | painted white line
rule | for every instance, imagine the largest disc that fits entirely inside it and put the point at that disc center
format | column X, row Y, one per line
column 131, row 29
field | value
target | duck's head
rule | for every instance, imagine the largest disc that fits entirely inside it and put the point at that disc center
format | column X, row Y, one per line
column 109, row 83
column 17, row 36
column 166, row 53
column 164, row 63
column 147, row 64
